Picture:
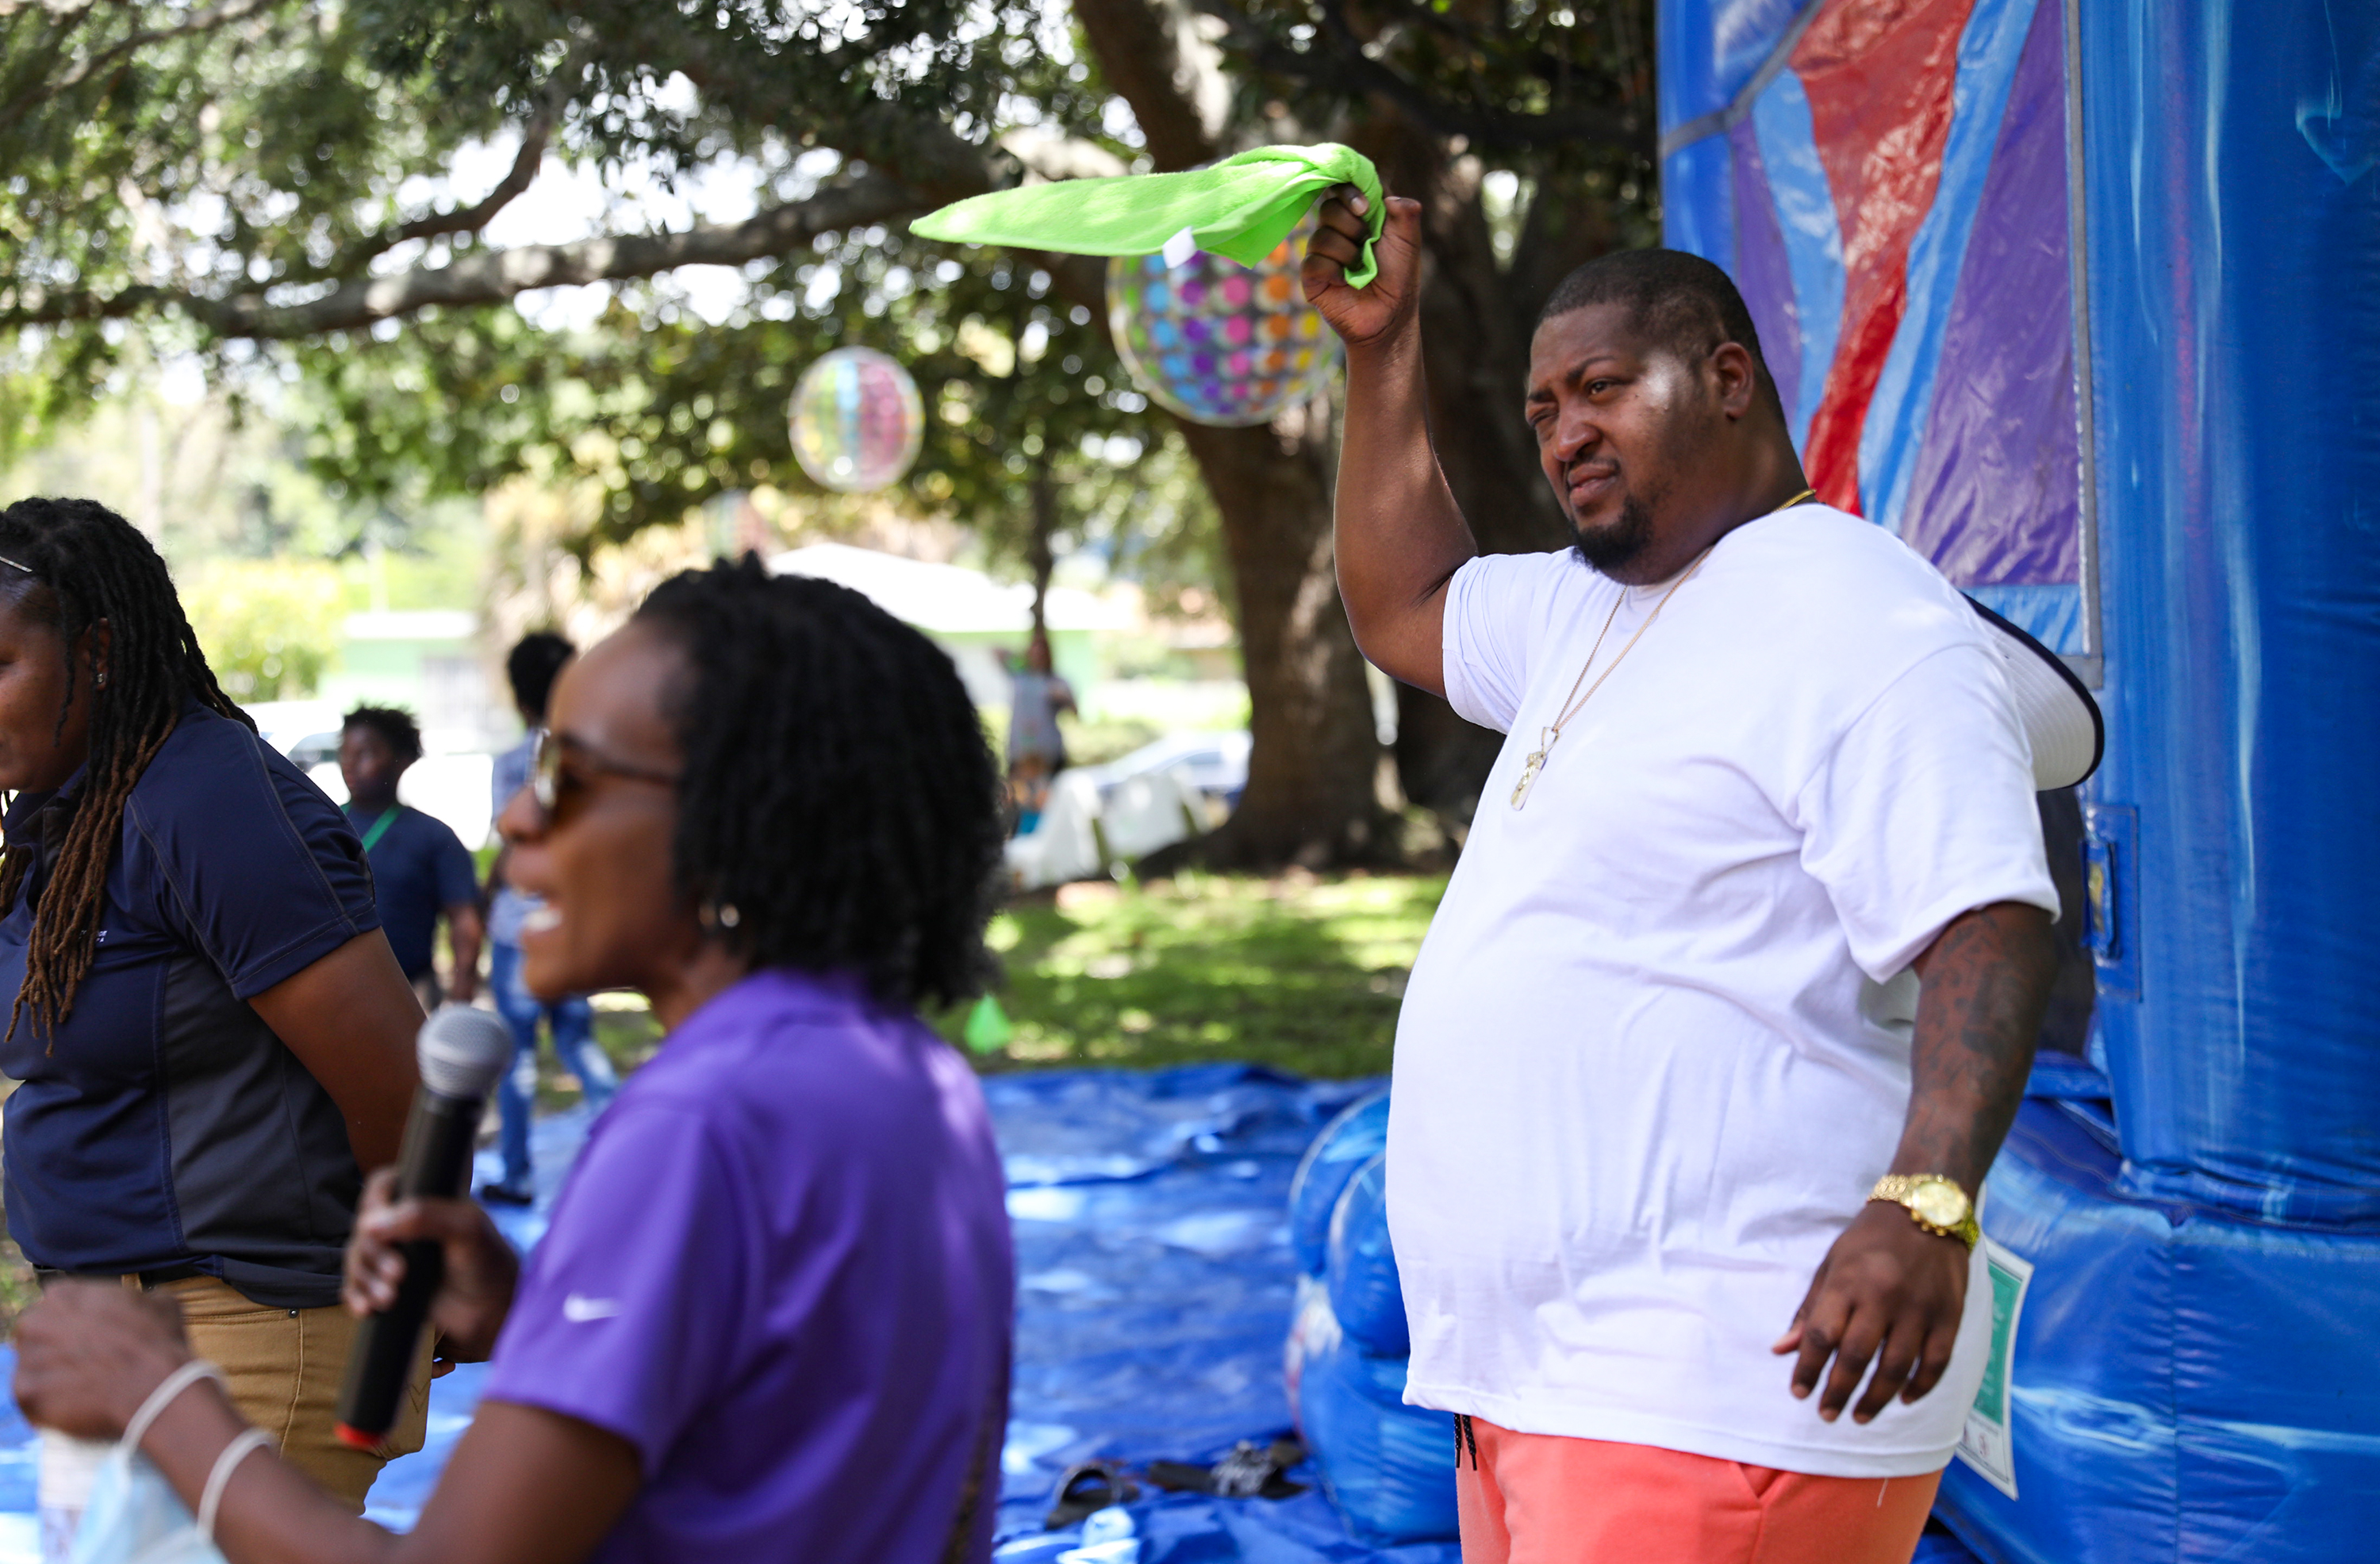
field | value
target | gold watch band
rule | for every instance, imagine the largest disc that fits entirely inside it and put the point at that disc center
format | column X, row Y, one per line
column 1903, row 1190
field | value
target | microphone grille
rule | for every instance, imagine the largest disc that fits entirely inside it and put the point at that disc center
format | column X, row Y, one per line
column 463, row 1051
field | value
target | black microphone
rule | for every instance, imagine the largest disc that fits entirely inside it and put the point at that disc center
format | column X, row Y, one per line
column 463, row 1052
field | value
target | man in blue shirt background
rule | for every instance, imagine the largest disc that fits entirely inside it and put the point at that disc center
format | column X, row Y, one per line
column 420, row 869
column 532, row 667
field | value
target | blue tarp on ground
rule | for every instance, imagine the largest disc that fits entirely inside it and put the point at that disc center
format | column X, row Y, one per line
column 1156, row 1285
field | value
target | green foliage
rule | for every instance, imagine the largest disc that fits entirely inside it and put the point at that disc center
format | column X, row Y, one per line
column 269, row 627
column 176, row 175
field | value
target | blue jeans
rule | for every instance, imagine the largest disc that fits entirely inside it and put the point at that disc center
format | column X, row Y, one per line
column 573, row 1021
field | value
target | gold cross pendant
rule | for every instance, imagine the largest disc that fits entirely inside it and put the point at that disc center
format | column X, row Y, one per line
column 1529, row 770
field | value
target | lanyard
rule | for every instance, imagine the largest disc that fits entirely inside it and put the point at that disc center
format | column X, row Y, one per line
column 379, row 827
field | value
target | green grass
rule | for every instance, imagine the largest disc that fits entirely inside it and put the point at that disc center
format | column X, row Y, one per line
column 1299, row 973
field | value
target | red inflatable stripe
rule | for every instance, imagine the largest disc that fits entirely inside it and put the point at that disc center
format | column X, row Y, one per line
column 1880, row 81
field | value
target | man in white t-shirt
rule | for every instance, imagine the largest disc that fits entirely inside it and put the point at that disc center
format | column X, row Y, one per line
column 1662, row 1118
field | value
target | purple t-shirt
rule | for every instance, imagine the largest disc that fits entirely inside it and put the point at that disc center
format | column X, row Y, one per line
column 780, row 1269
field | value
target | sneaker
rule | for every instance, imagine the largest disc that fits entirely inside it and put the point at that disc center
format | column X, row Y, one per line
column 507, row 1194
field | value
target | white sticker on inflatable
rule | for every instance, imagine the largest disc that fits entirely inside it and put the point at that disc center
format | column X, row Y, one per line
column 1986, row 1446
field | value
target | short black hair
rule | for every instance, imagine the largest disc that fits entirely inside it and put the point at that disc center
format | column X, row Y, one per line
column 838, row 791
column 1679, row 301
column 393, row 723
column 531, row 666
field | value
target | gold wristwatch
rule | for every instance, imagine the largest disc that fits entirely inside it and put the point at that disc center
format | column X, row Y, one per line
column 1934, row 1203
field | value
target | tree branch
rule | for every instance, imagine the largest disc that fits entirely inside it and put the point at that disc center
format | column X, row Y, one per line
column 525, row 164
column 494, row 276
column 535, row 132
column 1344, row 68
column 205, row 21
column 1141, row 59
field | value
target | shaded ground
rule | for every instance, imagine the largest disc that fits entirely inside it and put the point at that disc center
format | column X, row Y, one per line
column 1300, row 973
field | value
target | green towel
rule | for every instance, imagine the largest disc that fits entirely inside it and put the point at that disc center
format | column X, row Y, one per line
column 1241, row 207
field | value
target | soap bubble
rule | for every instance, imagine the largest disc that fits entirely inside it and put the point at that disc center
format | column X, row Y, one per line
column 1217, row 342
column 858, row 420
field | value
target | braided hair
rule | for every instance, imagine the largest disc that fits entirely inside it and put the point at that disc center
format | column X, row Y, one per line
column 840, row 807
column 85, row 566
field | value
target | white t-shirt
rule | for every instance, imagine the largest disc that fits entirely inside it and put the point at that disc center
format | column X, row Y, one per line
column 1646, row 1070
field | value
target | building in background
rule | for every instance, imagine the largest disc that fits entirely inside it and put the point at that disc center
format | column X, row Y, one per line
column 426, row 661
column 971, row 616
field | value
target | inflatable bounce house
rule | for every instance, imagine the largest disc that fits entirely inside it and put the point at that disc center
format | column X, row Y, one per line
column 1388, row 1467
column 2081, row 299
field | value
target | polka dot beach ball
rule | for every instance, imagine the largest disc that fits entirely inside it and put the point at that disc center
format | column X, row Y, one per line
column 1217, row 342
column 858, row 420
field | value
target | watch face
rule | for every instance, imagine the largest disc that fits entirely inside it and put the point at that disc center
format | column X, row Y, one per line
column 1940, row 1202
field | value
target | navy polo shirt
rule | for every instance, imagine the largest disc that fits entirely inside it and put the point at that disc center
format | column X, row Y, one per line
column 419, row 868
column 164, row 1124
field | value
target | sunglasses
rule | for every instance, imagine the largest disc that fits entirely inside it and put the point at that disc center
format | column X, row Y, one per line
column 549, row 783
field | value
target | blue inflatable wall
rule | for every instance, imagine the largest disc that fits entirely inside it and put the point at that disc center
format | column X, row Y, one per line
column 2082, row 298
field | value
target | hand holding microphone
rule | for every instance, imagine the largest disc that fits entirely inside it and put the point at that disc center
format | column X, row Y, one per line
column 415, row 1225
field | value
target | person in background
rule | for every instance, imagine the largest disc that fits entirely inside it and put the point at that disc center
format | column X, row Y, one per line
column 531, row 668
column 212, row 1035
column 770, row 1317
column 420, row 868
column 1036, row 751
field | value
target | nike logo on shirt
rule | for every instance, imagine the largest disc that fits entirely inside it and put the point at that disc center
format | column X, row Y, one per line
column 578, row 1308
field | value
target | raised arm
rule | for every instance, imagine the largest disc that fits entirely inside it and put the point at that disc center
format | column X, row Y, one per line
column 1399, row 535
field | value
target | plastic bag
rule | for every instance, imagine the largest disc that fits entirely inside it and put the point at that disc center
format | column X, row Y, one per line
column 135, row 1516
column 1361, row 1269
column 1357, row 1135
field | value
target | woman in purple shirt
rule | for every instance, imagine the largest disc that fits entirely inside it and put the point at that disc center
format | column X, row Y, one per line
column 770, row 1318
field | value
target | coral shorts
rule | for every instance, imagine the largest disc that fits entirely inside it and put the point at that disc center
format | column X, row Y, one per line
column 1541, row 1499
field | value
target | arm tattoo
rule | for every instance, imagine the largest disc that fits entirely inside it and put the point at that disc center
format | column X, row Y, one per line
column 1986, row 985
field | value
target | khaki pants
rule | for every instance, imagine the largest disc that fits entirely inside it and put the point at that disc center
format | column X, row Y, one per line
column 285, row 1367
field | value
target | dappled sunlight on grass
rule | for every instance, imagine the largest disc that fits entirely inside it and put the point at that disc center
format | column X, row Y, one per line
column 1301, row 973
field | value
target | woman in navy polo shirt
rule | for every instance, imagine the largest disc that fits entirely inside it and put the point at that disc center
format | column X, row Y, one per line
column 210, row 1034
column 769, row 1319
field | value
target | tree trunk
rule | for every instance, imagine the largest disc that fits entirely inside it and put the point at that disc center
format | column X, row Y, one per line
column 1314, row 762
column 1314, row 765
column 1038, row 552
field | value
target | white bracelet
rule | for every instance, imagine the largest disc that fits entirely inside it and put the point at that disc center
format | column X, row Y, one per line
column 219, row 1478
column 167, row 1388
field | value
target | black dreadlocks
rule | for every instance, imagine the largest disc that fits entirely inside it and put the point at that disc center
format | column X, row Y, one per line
column 88, row 565
column 838, row 791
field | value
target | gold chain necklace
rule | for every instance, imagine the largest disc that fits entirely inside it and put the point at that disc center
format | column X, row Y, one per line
column 1572, row 704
